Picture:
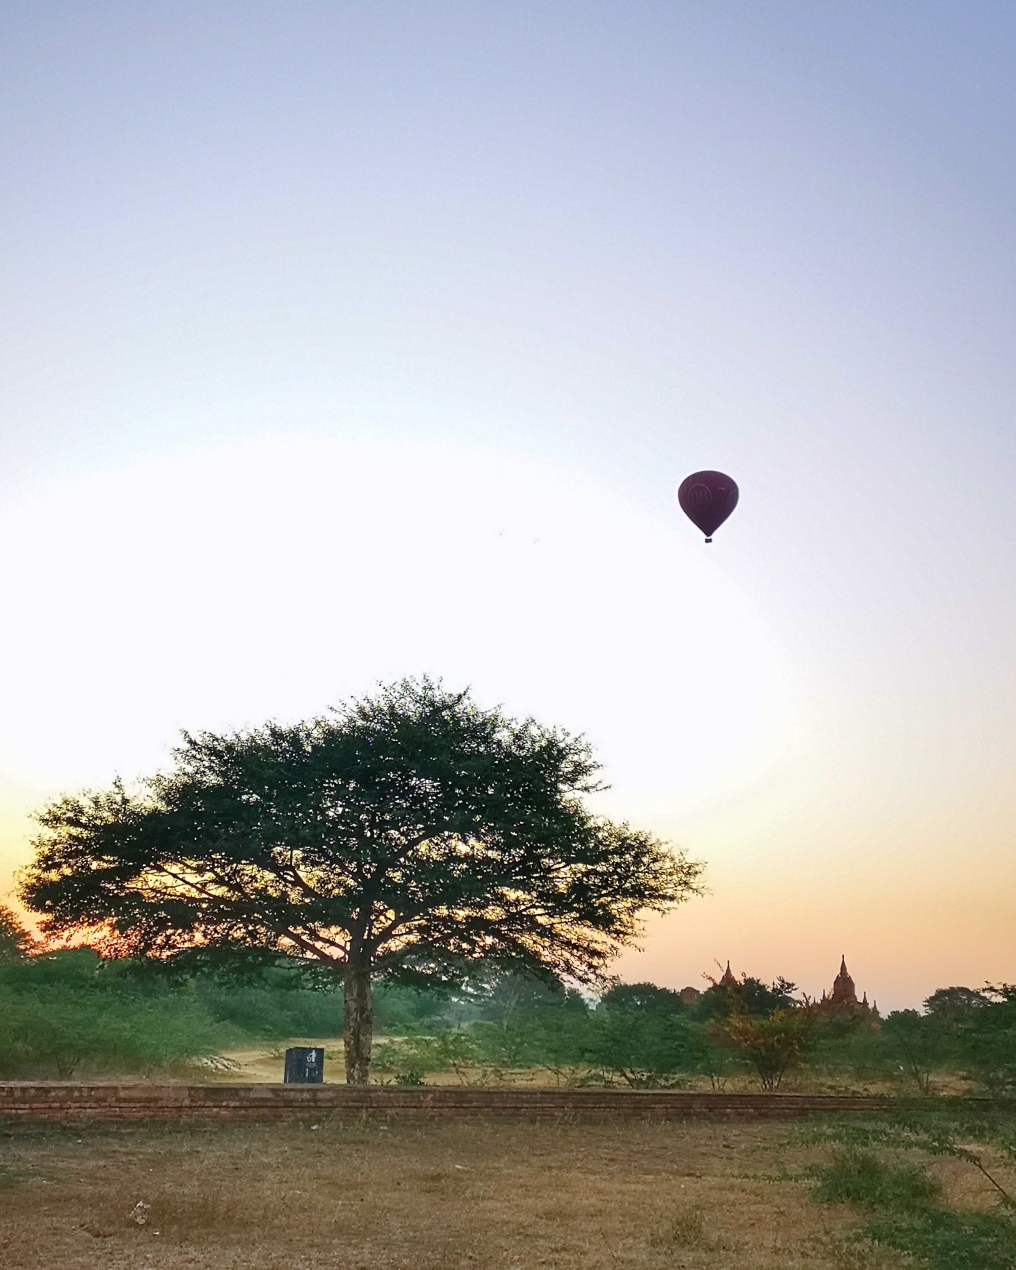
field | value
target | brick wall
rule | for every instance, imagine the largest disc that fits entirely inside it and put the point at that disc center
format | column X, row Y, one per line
column 233, row 1102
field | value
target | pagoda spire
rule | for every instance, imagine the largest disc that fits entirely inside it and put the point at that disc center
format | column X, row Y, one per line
column 843, row 987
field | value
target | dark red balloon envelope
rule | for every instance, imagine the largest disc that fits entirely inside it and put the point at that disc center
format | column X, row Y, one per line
column 707, row 499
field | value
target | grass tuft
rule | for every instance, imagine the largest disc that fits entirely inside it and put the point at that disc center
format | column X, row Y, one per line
column 686, row 1229
column 865, row 1254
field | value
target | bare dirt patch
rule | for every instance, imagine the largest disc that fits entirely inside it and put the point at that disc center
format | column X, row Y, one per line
column 415, row 1197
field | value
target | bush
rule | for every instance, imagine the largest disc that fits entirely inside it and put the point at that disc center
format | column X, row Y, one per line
column 411, row 1058
column 645, row 1050
column 903, row 1205
column 945, row 1240
column 772, row 1045
column 59, row 1033
column 985, row 1040
column 862, row 1177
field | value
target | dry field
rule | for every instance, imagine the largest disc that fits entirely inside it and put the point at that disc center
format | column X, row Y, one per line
column 426, row 1196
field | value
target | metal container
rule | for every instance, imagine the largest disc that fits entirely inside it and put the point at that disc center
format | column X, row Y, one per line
column 305, row 1065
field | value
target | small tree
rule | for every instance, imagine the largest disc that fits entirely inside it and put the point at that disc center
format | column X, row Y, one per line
column 639, row 1033
column 986, row 1039
column 772, row 1045
column 955, row 1005
column 15, row 942
column 411, row 833
column 917, row 1045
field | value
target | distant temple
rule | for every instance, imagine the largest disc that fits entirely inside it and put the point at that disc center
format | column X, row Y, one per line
column 842, row 1002
column 690, row 995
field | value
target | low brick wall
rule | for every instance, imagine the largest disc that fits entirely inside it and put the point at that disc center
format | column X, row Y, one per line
column 257, row 1102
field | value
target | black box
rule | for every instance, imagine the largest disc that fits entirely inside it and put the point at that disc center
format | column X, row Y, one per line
column 304, row 1066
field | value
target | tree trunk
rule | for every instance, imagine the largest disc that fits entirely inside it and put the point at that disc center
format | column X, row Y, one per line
column 357, row 1024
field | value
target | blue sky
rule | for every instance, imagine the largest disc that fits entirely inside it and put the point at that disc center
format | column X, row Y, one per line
column 515, row 270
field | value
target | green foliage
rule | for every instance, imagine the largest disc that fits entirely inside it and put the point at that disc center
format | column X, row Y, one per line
column 643, row 998
column 641, row 1035
column 401, row 1009
column 946, row 1240
column 985, row 1039
column 506, row 1022
column 64, row 1012
column 772, row 1045
column 747, row 995
column 845, row 1048
column 273, row 1007
column 638, row 1035
column 955, row 1005
column 410, row 1059
column 902, row 1200
column 527, row 1021
column 918, row 1045
column 70, row 1011
column 62, row 1034
column 862, row 1177
column 942, row 1130
column 962, row 1032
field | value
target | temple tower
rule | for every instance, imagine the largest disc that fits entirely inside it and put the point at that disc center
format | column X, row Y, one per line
column 842, row 1002
column 844, row 993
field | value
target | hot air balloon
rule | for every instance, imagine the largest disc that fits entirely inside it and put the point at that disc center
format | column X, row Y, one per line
column 707, row 499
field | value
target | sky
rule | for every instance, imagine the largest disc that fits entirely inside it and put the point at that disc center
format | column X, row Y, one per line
column 347, row 341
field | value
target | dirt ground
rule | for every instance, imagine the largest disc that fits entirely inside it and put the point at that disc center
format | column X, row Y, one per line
column 417, row 1197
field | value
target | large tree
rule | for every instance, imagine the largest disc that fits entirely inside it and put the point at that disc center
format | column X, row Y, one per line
column 407, row 833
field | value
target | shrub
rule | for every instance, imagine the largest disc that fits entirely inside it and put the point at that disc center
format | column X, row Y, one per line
column 57, row 1033
column 902, row 1202
column 862, row 1177
column 66, row 1011
column 772, row 1045
column 947, row 1240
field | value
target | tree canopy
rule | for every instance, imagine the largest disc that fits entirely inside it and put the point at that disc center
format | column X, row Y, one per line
column 411, row 833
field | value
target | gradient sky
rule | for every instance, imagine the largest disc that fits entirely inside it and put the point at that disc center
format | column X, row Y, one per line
column 351, row 340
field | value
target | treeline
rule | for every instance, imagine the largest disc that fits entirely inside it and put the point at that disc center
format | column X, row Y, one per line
column 70, row 1013
column 644, row 1036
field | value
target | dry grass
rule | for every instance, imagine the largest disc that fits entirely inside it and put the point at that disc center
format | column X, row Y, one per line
column 416, row 1197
